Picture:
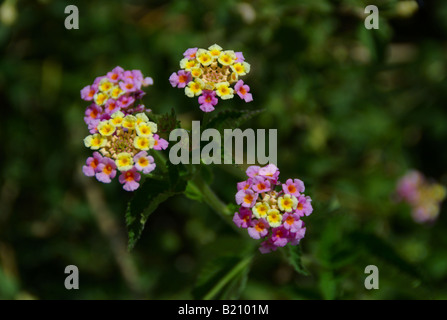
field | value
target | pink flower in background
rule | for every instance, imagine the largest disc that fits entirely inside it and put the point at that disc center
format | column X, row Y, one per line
column 408, row 186
column 423, row 196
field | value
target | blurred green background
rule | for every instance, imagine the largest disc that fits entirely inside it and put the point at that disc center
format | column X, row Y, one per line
column 354, row 109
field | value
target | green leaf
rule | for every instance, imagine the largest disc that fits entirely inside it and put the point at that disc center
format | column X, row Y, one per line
column 147, row 198
column 193, row 192
column 327, row 285
column 294, row 255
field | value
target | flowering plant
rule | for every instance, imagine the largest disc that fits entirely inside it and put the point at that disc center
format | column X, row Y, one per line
column 210, row 74
column 121, row 133
column 272, row 210
column 124, row 140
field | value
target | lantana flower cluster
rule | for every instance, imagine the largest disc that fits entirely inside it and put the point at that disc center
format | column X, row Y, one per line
column 210, row 74
column 118, row 90
column 423, row 196
column 123, row 143
column 121, row 134
column 271, row 210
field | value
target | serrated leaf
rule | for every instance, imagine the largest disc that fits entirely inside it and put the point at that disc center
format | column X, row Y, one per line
column 146, row 200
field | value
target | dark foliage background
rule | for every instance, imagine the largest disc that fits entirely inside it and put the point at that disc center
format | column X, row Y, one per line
column 354, row 109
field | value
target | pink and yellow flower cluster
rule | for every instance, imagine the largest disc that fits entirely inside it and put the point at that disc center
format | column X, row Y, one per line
column 121, row 134
column 123, row 143
column 271, row 210
column 210, row 74
column 423, row 196
column 118, row 90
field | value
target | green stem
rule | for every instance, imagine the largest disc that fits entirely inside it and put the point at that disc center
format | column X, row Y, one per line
column 154, row 176
column 227, row 278
column 214, row 202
